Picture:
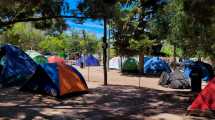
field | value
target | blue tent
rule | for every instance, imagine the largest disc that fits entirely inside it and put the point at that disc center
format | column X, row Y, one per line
column 146, row 58
column 56, row 79
column 187, row 62
column 206, row 70
column 88, row 60
column 156, row 65
column 17, row 66
column 187, row 68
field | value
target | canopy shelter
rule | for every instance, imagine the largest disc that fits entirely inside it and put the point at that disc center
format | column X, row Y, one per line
column 17, row 66
column 88, row 60
column 156, row 65
column 55, row 59
column 37, row 57
column 56, row 79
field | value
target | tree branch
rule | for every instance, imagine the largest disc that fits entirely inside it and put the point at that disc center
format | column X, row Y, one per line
column 4, row 24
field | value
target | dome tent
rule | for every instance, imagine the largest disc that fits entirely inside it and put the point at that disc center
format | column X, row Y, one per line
column 206, row 70
column 174, row 80
column 156, row 65
column 55, row 59
column 130, row 65
column 17, row 66
column 116, row 62
column 146, row 58
column 37, row 57
column 205, row 101
column 88, row 60
column 56, row 79
column 187, row 68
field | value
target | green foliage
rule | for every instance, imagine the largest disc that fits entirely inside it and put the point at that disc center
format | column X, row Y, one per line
column 177, row 21
column 131, row 30
column 190, row 26
column 52, row 44
column 76, row 43
column 141, row 45
column 27, row 37
column 89, row 44
column 113, row 52
column 159, row 24
column 23, row 35
column 167, row 49
column 12, row 11
column 72, row 43
column 99, row 9
column 123, row 30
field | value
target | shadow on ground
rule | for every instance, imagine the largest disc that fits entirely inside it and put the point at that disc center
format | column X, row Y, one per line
column 140, row 75
column 105, row 102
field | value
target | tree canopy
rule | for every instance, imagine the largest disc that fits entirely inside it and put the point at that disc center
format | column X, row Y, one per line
column 23, row 35
column 188, row 25
column 46, row 13
column 137, row 25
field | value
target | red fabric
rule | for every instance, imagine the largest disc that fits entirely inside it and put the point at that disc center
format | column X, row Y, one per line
column 206, row 98
column 55, row 59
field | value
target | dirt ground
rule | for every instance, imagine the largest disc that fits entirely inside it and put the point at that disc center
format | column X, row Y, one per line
column 127, row 97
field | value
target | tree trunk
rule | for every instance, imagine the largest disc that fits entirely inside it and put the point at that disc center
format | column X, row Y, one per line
column 141, row 62
column 174, row 57
column 121, row 63
column 105, row 51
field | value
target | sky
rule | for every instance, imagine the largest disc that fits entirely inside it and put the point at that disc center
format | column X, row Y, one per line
column 95, row 27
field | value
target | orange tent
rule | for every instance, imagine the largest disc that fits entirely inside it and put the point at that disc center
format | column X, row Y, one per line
column 55, row 59
column 56, row 79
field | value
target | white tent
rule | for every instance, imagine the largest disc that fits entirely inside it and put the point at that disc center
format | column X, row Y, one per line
column 115, row 63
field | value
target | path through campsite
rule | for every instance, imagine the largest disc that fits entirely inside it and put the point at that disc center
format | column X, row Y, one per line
column 122, row 99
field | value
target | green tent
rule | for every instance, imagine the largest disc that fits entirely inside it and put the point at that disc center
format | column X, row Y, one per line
column 130, row 65
column 37, row 57
column 62, row 54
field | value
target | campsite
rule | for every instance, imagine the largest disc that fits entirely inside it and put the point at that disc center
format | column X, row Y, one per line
column 122, row 99
column 107, row 60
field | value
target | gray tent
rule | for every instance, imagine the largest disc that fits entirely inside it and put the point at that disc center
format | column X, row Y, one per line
column 174, row 80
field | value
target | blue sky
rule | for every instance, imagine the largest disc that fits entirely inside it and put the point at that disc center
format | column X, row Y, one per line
column 95, row 27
